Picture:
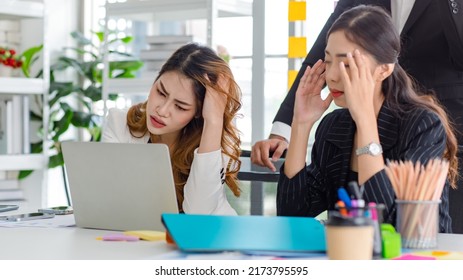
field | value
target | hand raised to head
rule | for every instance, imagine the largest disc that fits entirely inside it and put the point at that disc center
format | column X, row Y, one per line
column 309, row 106
column 359, row 85
column 215, row 101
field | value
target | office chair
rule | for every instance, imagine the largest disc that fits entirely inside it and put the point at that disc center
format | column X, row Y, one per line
column 257, row 175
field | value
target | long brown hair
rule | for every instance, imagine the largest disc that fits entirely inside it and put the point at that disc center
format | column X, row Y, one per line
column 371, row 28
column 203, row 66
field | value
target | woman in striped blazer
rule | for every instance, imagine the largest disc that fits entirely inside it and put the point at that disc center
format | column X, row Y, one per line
column 382, row 118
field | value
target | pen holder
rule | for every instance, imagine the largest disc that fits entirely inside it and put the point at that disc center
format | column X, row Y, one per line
column 349, row 238
column 372, row 211
column 418, row 223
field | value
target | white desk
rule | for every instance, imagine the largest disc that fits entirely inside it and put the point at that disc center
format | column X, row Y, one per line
column 76, row 243
column 71, row 244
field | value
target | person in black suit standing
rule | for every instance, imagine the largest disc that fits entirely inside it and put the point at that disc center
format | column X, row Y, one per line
column 432, row 53
column 382, row 117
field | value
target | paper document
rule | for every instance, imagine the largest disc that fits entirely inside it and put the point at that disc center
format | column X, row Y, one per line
column 56, row 222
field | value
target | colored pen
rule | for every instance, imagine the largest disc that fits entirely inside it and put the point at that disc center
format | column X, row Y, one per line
column 344, row 196
column 342, row 208
column 377, row 234
column 354, row 189
column 362, row 190
column 354, row 209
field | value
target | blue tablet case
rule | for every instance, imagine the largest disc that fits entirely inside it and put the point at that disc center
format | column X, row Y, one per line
column 206, row 233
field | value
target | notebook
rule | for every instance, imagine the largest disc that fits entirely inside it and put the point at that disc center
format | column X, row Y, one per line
column 203, row 233
column 119, row 186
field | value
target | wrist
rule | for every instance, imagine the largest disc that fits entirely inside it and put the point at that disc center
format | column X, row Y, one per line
column 275, row 136
column 300, row 129
column 373, row 149
column 213, row 122
column 302, row 124
column 365, row 120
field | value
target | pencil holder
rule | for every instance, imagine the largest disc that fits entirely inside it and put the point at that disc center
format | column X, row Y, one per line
column 418, row 223
column 349, row 238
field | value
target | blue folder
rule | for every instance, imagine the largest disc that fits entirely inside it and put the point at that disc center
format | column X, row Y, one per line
column 206, row 233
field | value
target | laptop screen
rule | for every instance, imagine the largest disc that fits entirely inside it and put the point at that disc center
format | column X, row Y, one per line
column 119, row 186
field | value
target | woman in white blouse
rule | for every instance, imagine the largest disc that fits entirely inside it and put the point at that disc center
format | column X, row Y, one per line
column 190, row 108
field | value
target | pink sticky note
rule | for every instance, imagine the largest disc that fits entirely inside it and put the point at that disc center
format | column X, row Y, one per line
column 120, row 237
column 414, row 257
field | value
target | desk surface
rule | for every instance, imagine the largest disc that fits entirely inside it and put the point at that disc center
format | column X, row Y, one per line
column 72, row 243
column 76, row 243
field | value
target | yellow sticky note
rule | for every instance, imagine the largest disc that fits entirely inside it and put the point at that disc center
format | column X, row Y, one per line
column 297, row 47
column 296, row 10
column 149, row 235
column 440, row 253
column 292, row 74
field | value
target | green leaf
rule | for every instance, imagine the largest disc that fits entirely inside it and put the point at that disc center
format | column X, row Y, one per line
column 100, row 35
column 59, row 65
column 37, row 148
column 82, row 119
column 98, row 75
column 113, row 96
column 89, row 68
column 80, row 38
column 96, row 133
column 57, row 86
column 74, row 63
column 34, row 116
column 62, row 125
column 126, row 74
column 124, row 69
column 128, row 65
column 93, row 92
column 125, row 40
column 85, row 103
column 62, row 93
column 40, row 73
column 65, row 107
column 82, row 51
column 24, row 173
column 28, row 58
column 56, row 160
column 121, row 53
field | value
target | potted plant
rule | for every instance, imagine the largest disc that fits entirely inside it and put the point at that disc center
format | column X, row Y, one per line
column 86, row 89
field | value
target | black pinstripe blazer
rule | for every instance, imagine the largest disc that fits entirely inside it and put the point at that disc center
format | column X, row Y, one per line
column 418, row 136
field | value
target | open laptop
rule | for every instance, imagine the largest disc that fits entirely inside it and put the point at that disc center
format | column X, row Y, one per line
column 119, row 186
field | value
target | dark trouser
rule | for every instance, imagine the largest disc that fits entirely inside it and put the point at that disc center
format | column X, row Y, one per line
column 454, row 109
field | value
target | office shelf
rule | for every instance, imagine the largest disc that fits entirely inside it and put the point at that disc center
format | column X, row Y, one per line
column 18, row 123
column 16, row 10
column 179, row 9
column 21, row 86
column 23, row 162
column 157, row 10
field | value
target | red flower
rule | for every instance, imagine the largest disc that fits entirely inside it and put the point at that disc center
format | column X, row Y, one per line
column 9, row 58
